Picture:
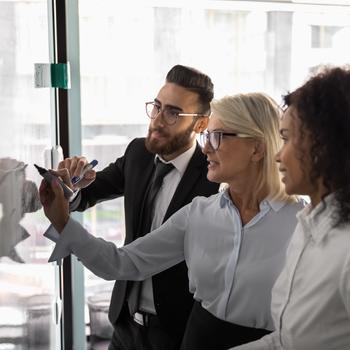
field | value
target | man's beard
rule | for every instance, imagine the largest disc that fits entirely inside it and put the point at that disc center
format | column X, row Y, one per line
column 173, row 145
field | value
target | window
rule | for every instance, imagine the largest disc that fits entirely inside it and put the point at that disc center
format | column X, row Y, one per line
column 127, row 48
column 28, row 289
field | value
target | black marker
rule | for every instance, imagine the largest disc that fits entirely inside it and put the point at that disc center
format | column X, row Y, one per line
column 50, row 177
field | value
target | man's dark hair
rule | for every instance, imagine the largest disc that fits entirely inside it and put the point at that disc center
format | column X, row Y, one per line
column 193, row 80
column 323, row 107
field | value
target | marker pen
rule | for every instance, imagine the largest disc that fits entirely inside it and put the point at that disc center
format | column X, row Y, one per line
column 76, row 179
column 50, row 177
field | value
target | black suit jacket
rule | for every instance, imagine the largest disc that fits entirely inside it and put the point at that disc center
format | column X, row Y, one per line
column 129, row 176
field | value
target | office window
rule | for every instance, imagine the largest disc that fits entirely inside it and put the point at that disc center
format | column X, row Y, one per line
column 28, row 288
column 127, row 48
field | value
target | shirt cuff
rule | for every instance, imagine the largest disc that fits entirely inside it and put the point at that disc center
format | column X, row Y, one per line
column 74, row 200
column 73, row 196
column 52, row 234
column 61, row 249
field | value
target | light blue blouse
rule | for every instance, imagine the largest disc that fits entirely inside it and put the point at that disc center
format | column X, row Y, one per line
column 231, row 267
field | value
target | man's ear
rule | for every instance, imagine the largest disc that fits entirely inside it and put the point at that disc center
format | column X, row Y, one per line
column 259, row 151
column 201, row 124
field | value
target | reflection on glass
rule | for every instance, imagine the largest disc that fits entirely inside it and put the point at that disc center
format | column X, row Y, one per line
column 17, row 197
column 243, row 46
column 27, row 282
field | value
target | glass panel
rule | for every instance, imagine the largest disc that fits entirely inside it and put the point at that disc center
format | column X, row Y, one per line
column 27, row 281
column 243, row 46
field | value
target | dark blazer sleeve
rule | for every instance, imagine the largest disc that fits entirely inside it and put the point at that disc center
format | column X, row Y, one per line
column 128, row 176
column 109, row 183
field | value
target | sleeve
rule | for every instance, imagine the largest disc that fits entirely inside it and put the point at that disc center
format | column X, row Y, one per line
column 109, row 184
column 269, row 342
column 144, row 257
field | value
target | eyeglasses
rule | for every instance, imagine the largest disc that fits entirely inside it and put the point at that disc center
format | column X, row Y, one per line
column 170, row 115
column 214, row 138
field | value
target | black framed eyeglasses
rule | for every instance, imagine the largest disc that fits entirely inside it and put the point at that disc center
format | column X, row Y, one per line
column 213, row 138
column 170, row 115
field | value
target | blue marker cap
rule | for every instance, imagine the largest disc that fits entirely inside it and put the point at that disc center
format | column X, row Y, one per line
column 92, row 164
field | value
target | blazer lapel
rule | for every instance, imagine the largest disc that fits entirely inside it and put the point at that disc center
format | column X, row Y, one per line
column 146, row 167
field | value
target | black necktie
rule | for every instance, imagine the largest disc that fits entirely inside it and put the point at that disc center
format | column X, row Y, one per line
column 160, row 172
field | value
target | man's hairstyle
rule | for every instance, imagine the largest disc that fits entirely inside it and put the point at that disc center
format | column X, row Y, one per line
column 323, row 106
column 193, row 80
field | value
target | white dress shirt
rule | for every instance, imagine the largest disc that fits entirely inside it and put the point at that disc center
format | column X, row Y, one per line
column 231, row 267
column 311, row 297
column 161, row 204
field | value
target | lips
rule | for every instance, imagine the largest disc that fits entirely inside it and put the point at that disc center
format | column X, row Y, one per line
column 158, row 134
column 212, row 163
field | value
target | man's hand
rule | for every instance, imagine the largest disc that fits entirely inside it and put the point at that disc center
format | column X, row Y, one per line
column 56, row 206
column 75, row 166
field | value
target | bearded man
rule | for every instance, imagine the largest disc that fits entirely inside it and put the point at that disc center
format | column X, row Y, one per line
column 152, row 314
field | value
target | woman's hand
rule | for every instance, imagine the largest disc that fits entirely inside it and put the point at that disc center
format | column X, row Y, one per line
column 56, row 206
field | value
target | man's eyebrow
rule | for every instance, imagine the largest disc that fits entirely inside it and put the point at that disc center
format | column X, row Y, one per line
column 167, row 105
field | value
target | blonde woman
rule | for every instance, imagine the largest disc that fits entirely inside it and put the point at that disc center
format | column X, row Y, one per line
column 233, row 242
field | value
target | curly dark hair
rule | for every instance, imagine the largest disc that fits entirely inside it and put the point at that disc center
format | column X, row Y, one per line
column 323, row 107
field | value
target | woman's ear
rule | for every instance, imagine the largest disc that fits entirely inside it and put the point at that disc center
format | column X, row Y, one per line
column 201, row 124
column 259, row 151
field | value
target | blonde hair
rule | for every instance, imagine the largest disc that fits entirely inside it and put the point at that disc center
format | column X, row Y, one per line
column 257, row 115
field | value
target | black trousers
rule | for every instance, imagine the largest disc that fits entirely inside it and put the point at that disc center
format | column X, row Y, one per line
column 206, row 332
column 129, row 335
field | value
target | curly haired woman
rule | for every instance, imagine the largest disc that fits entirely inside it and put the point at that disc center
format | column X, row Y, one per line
column 311, row 297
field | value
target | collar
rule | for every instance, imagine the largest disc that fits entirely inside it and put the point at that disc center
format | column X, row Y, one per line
column 180, row 162
column 318, row 221
column 263, row 205
column 274, row 205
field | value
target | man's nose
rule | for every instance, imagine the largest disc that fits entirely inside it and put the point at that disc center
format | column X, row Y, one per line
column 158, row 119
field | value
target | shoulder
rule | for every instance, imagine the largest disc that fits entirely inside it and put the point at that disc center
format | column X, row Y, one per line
column 341, row 234
column 291, row 207
column 136, row 149
column 201, row 202
column 284, row 214
column 338, row 241
column 137, row 144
